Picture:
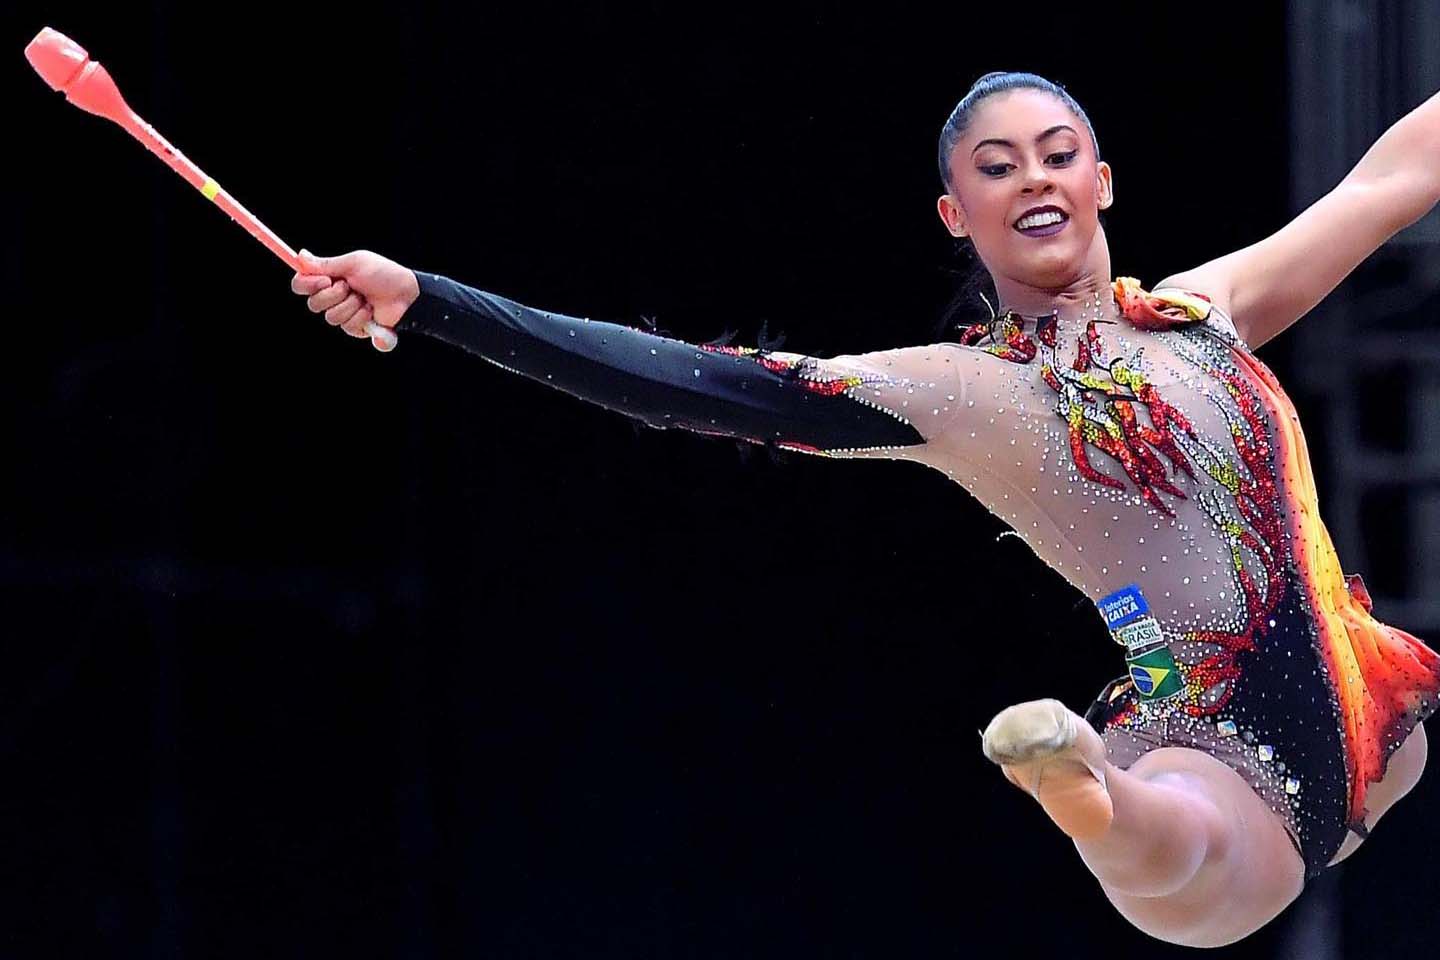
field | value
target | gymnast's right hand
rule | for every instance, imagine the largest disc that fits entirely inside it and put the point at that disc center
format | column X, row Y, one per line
column 355, row 288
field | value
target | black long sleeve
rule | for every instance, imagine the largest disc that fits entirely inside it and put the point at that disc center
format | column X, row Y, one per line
column 836, row 406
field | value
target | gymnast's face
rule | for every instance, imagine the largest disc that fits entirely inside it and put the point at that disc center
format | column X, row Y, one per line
column 1025, row 149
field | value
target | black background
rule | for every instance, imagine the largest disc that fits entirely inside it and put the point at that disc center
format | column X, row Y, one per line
column 315, row 651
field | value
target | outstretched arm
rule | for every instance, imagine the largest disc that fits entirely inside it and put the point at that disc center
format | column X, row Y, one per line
column 1269, row 285
column 891, row 400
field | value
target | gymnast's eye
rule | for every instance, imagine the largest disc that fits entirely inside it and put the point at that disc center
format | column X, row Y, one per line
column 1055, row 159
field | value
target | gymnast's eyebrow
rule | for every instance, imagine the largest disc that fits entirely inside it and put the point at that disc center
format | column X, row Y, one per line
column 1006, row 143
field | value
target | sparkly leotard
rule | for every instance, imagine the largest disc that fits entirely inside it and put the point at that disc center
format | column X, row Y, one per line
column 1156, row 464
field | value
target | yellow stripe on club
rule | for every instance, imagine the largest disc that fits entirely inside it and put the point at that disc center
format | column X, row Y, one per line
column 210, row 189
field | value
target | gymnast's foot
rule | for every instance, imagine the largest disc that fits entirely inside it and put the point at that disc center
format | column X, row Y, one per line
column 1052, row 754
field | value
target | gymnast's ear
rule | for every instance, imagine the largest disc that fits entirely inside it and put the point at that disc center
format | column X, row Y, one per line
column 1104, row 188
column 952, row 215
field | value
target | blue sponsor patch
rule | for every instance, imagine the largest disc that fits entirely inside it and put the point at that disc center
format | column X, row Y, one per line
column 1122, row 606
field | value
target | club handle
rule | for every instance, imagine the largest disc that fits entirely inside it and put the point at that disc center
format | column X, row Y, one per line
column 382, row 338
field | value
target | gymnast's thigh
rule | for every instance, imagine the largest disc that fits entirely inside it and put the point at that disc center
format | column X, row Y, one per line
column 1253, row 872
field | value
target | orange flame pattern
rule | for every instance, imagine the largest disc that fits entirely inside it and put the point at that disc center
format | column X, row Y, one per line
column 1384, row 679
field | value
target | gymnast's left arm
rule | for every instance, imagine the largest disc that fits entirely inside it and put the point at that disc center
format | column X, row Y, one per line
column 887, row 403
column 1269, row 285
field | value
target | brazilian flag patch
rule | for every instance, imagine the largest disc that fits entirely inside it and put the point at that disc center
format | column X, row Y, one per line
column 1155, row 674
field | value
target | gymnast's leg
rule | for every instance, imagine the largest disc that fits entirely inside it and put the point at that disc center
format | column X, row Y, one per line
column 1402, row 772
column 1181, row 845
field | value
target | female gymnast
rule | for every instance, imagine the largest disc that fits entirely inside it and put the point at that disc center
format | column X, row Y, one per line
column 1266, row 720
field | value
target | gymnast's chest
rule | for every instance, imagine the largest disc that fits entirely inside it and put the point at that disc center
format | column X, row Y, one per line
column 1131, row 457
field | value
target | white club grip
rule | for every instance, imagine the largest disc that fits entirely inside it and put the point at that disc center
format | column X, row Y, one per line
column 381, row 338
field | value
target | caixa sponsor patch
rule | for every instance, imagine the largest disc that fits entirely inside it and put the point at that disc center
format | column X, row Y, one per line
column 1123, row 606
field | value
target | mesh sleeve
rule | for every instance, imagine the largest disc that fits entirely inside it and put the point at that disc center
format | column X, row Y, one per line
column 861, row 404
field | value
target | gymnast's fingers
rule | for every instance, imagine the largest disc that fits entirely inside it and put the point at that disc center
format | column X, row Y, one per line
column 355, row 326
column 344, row 310
column 329, row 297
column 308, row 283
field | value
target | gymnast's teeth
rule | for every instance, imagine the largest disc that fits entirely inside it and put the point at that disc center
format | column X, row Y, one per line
column 1040, row 219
